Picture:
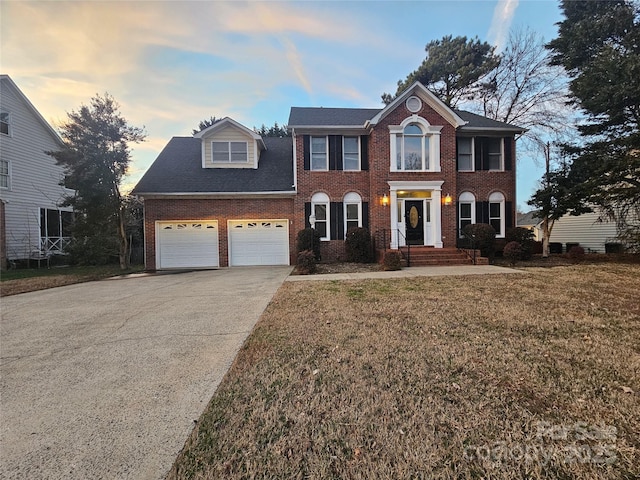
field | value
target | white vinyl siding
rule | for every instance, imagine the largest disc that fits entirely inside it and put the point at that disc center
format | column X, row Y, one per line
column 232, row 147
column 34, row 176
column 585, row 230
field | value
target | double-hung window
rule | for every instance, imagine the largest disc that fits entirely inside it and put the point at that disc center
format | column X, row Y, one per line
column 412, row 149
column 350, row 153
column 4, row 174
column 5, row 123
column 320, row 212
column 497, row 213
column 352, row 211
column 466, row 211
column 465, row 154
column 229, row 152
column 319, row 153
column 494, row 153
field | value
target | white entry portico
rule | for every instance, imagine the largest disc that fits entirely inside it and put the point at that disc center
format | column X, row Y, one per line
column 425, row 194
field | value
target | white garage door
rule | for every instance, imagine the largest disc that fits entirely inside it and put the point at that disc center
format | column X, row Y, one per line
column 189, row 244
column 258, row 242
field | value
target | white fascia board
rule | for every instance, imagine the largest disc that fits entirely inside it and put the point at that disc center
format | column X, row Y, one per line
column 33, row 109
column 215, row 195
column 433, row 101
column 493, row 129
column 230, row 121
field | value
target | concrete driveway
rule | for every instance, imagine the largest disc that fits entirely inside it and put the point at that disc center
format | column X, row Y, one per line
column 105, row 379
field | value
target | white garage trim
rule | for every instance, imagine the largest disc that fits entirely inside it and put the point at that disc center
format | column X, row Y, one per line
column 258, row 242
column 187, row 244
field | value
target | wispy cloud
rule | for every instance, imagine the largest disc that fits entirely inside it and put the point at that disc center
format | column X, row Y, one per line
column 501, row 23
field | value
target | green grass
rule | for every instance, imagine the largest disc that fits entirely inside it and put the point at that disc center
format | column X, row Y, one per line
column 100, row 271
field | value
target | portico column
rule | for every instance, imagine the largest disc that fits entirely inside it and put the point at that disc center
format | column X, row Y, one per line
column 393, row 205
column 436, row 226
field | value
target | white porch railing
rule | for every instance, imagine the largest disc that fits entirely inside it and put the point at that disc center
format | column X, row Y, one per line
column 54, row 245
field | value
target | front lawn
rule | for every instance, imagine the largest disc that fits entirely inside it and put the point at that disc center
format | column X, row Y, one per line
column 31, row 279
column 503, row 376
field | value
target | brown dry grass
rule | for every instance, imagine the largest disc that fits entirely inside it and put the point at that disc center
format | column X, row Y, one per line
column 441, row 377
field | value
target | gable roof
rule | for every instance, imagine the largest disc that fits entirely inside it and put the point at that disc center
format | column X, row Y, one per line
column 528, row 219
column 225, row 122
column 434, row 102
column 178, row 170
column 5, row 80
column 360, row 118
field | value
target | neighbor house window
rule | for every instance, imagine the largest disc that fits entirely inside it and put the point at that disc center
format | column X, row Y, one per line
column 494, row 153
column 351, row 153
column 4, row 174
column 229, row 152
column 54, row 229
column 496, row 213
column 5, row 122
column 465, row 154
column 352, row 211
column 319, row 153
column 320, row 210
column 412, row 149
column 466, row 211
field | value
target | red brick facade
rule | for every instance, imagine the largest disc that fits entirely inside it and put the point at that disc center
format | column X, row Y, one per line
column 371, row 184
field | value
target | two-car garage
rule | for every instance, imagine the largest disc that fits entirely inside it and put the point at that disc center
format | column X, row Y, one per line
column 196, row 243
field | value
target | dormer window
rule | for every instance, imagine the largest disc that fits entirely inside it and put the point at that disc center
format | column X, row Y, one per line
column 229, row 152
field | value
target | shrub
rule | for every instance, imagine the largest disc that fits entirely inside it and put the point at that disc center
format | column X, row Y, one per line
column 391, row 260
column 306, row 262
column 95, row 250
column 513, row 252
column 309, row 239
column 358, row 245
column 536, row 248
column 482, row 236
column 524, row 237
column 613, row 248
column 576, row 253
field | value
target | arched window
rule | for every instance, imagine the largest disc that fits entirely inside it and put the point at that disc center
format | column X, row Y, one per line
column 412, row 148
column 466, row 211
column 352, row 211
column 496, row 213
column 320, row 210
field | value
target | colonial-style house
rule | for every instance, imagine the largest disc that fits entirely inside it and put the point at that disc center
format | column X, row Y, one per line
column 414, row 173
column 32, row 223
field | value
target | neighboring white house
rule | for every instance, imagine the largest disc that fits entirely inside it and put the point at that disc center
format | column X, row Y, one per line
column 34, row 224
column 585, row 229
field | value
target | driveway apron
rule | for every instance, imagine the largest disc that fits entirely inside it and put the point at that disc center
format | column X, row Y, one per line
column 105, row 379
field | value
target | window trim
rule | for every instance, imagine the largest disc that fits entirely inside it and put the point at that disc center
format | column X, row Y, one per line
column 8, row 122
column 321, row 198
column 326, row 153
column 429, row 131
column 359, row 153
column 470, row 199
column 497, row 197
column 229, row 152
column 501, row 169
column 8, row 175
column 351, row 198
column 473, row 160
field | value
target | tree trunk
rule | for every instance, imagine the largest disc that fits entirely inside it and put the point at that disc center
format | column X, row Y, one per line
column 124, row 242
column 545, row 237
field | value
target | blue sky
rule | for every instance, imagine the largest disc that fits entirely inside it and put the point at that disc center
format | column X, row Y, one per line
column 172, row 64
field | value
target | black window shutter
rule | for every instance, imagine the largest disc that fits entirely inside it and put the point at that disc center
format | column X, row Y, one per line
column 364, row 152
column 507, row 153
column 306, row 140
column 457, row 166
column 333, row 140
column 482, row 212
column 458, row 220
column 477, row 152
column 508, row 214
column 337, row 221
column 365, row 214
column 307, row 214
column 339, row 162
